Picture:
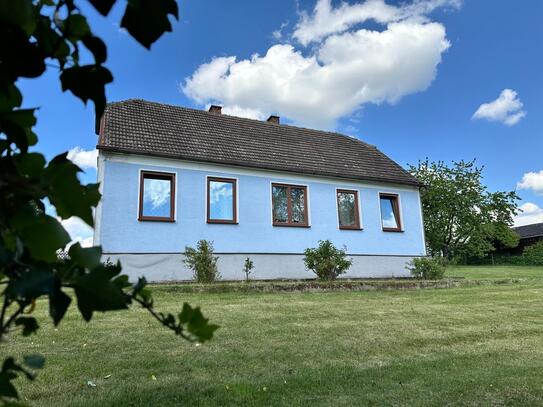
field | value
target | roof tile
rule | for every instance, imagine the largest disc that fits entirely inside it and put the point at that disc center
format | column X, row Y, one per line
column 140, row 127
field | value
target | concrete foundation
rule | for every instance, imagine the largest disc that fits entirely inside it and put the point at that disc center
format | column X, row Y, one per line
column 160, row 267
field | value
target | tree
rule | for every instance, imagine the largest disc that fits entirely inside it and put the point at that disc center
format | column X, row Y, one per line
column 36, row 34
column 461, row 217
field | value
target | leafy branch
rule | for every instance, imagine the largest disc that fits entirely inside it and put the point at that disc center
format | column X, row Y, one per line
column 36, row 34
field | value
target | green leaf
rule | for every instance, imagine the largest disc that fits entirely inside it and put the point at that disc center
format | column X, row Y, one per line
column 75, row 27
column 103, row 6
column 97, row 47
column 49, row 41
column 42, row 234
column 147, row 20
column 96, row 291
column 58, row 305
column 31, row 284
column 17, row 125
column 196, row 324
column 34, row 361
column 19, row 13
column 29, row 324
column 23, row 57
column 30, row 164
column 87, row 82
column 87, row 257
column 10, row 97
column 66, row 193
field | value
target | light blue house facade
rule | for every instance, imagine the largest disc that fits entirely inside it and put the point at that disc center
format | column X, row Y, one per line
column 156, row 202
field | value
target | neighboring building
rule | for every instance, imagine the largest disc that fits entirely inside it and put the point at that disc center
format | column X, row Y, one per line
column 171, row 176
column 528, row 235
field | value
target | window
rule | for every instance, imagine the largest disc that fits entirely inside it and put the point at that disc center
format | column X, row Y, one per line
column 157, row 196
column 347, row 209
column 221, row 200
column 289, row 205
column 390, row 212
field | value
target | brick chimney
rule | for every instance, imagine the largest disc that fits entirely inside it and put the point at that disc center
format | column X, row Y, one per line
column 273, row 119
column 215, row 109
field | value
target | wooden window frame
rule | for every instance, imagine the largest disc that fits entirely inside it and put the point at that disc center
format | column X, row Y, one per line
column 356, row 225
column 289, row 222
column 169, row 176
column 234, row 182
column 395, row 198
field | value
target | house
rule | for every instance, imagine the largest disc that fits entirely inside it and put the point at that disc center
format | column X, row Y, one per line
column 171, row 176
column 528, row 235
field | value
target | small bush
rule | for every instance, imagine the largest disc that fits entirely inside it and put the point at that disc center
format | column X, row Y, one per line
column 427, row 268
column 248, row 267
column 202, row 262
column 326, row 261
column 533, row 255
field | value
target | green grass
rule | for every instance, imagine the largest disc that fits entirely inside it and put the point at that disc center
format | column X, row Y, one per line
column 495, row 272
column 479, row 345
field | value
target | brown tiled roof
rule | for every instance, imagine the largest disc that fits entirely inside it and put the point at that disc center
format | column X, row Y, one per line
column 528, row 231
column 139, row 127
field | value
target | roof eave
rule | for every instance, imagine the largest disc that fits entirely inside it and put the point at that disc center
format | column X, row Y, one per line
column 416, row 184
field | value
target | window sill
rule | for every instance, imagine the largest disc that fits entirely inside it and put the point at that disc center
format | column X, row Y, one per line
column 350, row 228
column 290, row 225
column 393, row 230
column 146, row 219
column 221, row 222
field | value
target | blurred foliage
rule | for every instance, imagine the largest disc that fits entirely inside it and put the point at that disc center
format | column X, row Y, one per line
column 36, row 35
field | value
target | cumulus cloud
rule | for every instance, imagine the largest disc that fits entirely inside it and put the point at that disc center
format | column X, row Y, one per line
column 347, row 69
column 507, row 108
column 529, row 213
column 326, row 20
column 85, row 159
column 533, row 181
column 78, row 230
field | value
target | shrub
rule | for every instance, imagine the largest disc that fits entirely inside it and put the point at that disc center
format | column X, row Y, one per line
column 533, row 255
column 427, row 268
column 326, row 261
column 202, row 262
column 248, row 267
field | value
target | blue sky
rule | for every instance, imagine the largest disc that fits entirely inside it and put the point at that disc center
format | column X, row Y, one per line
column 405, row 77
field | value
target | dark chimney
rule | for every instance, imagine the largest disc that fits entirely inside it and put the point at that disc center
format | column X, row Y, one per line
column 273, row 119
column 215, row 109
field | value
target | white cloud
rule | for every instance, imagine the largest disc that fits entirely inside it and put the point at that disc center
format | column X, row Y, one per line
column 528, row 213
column 507, row 108
column 235, row 110
column 532, row 180
column 278, row 34
column 78, row 230
column 85, row 159
column 346, row 70
column 326, row 20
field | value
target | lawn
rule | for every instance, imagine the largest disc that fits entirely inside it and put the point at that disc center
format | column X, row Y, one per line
column 479, row 345
column 495, row 272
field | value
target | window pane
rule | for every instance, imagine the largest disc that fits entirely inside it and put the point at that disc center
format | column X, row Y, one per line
column 297, row 198
column 156, row 197
column 221, row 200
column 280, row 209
column 346, row 209
column 387, row 213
